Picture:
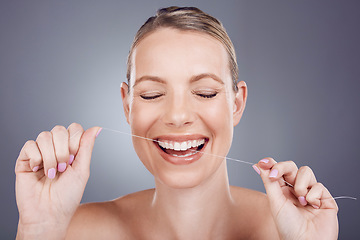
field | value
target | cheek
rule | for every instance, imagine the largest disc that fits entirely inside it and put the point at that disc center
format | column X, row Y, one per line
column 141, row 118
column 218, row 118
column 218, row 115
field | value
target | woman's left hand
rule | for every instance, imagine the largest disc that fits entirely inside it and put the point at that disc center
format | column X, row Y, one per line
column 305, row 211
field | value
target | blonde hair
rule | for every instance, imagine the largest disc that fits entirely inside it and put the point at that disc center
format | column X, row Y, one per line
column 187, row 19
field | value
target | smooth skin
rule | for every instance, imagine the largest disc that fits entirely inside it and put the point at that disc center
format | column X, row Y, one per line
column 189, row 202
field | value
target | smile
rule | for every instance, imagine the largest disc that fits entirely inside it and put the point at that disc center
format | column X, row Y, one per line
column 181, row 151
column 181, row 147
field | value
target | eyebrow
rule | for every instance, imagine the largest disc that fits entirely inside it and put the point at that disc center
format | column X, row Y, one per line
column 149, row 78
column 206, row 75
column 192, row 79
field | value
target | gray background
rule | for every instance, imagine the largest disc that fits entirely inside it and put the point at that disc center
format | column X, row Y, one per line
column 63, row 62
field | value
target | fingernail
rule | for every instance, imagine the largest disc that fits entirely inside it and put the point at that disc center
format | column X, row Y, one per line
column 61, row 167
column 98, row 132
column 314, row 206
column 273, row 173
column 71, row 159
column 51, row 173
column 264, row 160
column 302, row 201
column 35, row 169
column 256, row 169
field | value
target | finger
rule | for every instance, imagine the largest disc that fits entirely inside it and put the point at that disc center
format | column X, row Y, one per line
column 46, row 147
column 61, row 145
column 286, row 170
column 273, row 188
column 83, row 156
column 319, row 197
column 305, row 179
column 267, row 163
column 264, row 164
column 75, row 131
column 29, row 158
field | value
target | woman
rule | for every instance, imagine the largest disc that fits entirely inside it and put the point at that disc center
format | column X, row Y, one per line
column 183, row 95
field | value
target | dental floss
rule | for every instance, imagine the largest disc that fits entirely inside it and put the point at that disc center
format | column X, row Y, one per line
column 210, row 154
column 229, row 158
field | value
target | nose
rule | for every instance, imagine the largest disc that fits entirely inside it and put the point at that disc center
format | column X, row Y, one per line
column 178, row 112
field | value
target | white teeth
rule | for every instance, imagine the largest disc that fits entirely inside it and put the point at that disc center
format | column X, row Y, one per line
column 181, row 146
column 162, row 144
column 189, row 144
column 177, row 146
column 186, row 155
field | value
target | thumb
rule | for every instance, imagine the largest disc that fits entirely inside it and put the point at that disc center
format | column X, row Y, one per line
column 273, row 188
column 83, row 156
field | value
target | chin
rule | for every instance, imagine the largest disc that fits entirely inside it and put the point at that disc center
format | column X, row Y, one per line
column 180, row 180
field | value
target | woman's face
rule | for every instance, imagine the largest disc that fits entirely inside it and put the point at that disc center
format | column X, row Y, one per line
column 181, row 96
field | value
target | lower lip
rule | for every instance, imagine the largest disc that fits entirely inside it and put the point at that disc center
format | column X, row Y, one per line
column 181, row 160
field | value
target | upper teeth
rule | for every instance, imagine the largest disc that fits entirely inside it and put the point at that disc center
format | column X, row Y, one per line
column 181, row 146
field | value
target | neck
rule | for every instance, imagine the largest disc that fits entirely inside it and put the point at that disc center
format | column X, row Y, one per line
column 203, row 210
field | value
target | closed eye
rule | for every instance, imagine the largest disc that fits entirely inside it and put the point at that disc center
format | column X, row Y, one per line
column 205, row 94
column 150, row 96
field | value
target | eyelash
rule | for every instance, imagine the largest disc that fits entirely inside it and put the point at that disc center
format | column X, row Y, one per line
column 208, row 95
column 152, row 97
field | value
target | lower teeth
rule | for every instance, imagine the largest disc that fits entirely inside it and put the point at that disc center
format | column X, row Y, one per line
column 186, row 155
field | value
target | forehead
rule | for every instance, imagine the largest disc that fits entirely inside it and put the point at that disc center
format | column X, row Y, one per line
column 168, row 52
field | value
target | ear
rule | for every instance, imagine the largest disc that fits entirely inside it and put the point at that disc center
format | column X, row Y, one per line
column 124, row 88
column 240, row 102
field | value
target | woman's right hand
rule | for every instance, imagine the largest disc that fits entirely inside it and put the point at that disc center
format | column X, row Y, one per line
column 51, row 175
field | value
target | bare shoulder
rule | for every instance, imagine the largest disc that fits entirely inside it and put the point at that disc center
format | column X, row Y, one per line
column 108, row 220
column 250, row 198
column 254, row 212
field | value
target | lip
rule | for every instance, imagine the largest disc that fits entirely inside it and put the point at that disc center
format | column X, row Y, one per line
column 181, row 138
